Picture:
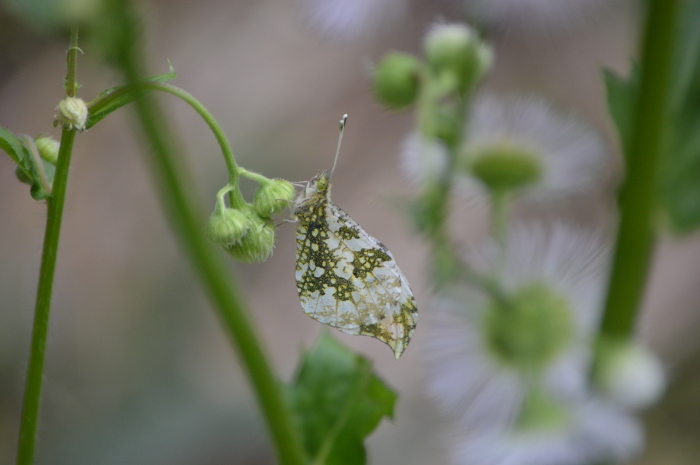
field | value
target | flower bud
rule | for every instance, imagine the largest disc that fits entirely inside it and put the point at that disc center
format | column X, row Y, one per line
column 457, row 49
column 257, row 244
column 48, row 148
column 397, row 80
column 502, row 167
column 72, row 113
column 529, row 328
column 629, row 374
column 272, row 197
column 228, row 226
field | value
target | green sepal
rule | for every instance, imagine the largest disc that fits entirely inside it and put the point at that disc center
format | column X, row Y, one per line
column 337, row 402
column 116, row 97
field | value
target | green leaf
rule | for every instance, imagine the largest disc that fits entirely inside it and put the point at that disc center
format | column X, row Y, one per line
column 14, row 148
column 338, row 401
column 678, row 188
column 622, row 102
column 680, row 171
column 116, row 97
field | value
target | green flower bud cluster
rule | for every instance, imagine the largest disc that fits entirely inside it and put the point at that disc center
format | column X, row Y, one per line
column 455, row 60
column 246, row 231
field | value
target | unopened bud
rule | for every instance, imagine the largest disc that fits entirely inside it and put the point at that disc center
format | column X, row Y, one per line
column 272, row 197
column 228, row 226
column 48, row 148
column 257, row 244
column 72, row 113
column 397, row 80
column 457, row 49
column 629, row 374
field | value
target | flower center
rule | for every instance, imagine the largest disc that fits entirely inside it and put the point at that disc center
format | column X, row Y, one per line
column 504, row 167
column 530, row 328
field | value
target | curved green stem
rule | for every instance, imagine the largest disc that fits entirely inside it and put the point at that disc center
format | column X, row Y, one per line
column 257, row 177
column 236, row 197
column 32, row 392
column 635, row 237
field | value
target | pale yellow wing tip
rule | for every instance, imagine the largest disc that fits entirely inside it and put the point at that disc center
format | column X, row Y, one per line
column 397, row 348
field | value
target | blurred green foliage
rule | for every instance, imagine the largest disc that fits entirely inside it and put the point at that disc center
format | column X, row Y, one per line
column 679, row 183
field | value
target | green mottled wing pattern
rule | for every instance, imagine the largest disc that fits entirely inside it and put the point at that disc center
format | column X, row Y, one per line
column 347, row 279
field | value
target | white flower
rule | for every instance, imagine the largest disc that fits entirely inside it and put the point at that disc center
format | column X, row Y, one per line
column 592, row 432
column 468, row 375
column 570, row 153
column 352, row 19
column 423, row 159
column 534, row 16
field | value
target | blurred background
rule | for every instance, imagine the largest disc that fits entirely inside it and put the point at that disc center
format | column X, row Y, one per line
column 138, row 370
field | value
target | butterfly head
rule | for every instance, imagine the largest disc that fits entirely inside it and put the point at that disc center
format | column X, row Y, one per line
column 317, row 188
column 319, row 184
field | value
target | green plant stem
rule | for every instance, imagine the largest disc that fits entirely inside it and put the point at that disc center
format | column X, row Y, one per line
column 214, row 275
column 32, row 392
column 635, row 237
column 500, row 201
column 236, row 198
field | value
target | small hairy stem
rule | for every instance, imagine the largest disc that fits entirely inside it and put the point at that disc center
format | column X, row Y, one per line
column 236, row 197
column 32, row 392
column 635, row 237
column 499, row 227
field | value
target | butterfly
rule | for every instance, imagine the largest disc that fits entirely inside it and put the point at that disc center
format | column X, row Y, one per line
column 346, row 278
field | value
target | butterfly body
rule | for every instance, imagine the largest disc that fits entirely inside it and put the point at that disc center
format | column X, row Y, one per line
column 346, row 278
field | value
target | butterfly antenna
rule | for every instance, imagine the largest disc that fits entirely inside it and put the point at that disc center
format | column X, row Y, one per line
column 342, row 123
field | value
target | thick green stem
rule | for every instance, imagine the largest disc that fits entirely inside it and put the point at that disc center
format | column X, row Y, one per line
column 635, row 237
column 212, row 272
column 32, row 392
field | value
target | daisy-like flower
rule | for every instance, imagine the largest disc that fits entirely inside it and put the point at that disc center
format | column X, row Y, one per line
column 485, row 356
column 554, row 154
column 423, row 159
column 352, row 19
column 585, row 433
column 534, row 16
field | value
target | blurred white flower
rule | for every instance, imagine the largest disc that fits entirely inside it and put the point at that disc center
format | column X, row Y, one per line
column 570, row 153
column 353, row 19
column 591, row 432
column 423, row 159
column 468, row 371
column 534, row 16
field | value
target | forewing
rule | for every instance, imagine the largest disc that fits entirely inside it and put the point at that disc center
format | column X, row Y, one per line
column 349, row 280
